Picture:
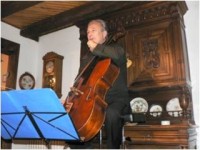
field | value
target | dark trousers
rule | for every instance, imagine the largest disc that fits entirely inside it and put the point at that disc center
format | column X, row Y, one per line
column 114, row 124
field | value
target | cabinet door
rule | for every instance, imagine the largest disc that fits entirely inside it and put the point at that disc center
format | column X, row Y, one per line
column 155, row 58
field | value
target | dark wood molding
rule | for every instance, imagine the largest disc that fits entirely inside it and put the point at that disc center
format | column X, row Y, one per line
column 12, row 50
column 69, row 18
column 79, row 15
column 10, row 7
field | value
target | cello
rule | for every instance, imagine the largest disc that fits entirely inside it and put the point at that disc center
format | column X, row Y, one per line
column 85, row 102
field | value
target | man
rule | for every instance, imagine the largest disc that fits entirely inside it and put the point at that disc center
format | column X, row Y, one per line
column 117, row 96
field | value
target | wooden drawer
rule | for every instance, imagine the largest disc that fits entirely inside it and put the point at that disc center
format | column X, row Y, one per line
column 172, row 136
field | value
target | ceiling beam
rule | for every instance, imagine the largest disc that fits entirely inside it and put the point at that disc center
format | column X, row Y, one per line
column 10, row 7
column 69, row 18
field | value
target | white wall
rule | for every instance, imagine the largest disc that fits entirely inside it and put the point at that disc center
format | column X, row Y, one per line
column 28, row 55
column 192, row 35
column 66, row 43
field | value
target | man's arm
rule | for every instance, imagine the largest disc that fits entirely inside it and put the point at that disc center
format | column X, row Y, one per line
column 114, row 51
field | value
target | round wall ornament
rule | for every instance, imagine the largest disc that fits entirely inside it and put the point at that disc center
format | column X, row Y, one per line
column 26, row 81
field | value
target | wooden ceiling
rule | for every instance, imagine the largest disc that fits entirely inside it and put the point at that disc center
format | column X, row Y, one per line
column 36, row 18
column 22, row 14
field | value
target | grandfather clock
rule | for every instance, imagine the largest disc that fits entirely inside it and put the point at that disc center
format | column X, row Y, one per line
column 52, row 72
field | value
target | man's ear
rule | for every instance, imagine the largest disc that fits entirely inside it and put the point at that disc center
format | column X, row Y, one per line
column 105, row 33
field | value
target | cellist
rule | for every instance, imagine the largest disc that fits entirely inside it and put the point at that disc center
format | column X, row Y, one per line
column 117, row 96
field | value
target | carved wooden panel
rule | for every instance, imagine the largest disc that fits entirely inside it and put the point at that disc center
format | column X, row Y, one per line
column 152, row 52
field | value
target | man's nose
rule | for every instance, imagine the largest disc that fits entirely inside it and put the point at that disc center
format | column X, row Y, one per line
column 89, row 36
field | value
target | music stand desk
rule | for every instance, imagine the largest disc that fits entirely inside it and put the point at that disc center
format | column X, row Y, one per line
column 35, row 114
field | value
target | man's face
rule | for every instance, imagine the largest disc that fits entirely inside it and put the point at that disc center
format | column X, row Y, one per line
column 96, row 33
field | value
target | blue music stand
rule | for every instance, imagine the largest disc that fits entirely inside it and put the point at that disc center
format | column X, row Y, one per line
column 35, row 114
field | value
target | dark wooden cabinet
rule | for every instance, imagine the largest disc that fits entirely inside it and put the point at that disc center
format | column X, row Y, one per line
column 160, row 137
column 155, row 42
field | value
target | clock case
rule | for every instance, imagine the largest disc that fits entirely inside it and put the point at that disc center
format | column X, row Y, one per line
column 53, row 79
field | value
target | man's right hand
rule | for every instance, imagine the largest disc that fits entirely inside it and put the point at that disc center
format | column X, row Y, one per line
column 91, row 44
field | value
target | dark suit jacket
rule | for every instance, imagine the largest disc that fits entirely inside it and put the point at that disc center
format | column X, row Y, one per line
column 119, row 91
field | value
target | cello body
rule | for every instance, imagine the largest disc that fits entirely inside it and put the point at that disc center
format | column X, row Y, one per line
column 86, row 103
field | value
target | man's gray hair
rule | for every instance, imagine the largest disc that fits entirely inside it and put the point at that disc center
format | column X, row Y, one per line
column 101, row 22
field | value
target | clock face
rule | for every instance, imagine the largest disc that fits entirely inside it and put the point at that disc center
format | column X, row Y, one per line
column 49, row 67
column 26, row 81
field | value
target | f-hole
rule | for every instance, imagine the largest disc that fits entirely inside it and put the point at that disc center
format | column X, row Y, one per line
column 10, row 54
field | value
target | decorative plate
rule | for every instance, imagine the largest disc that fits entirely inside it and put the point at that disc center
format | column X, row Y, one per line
column 138, row 105
column 173, row 105
column 155, row 110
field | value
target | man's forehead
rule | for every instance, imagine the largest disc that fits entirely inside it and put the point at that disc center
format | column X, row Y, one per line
column 94, row 25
